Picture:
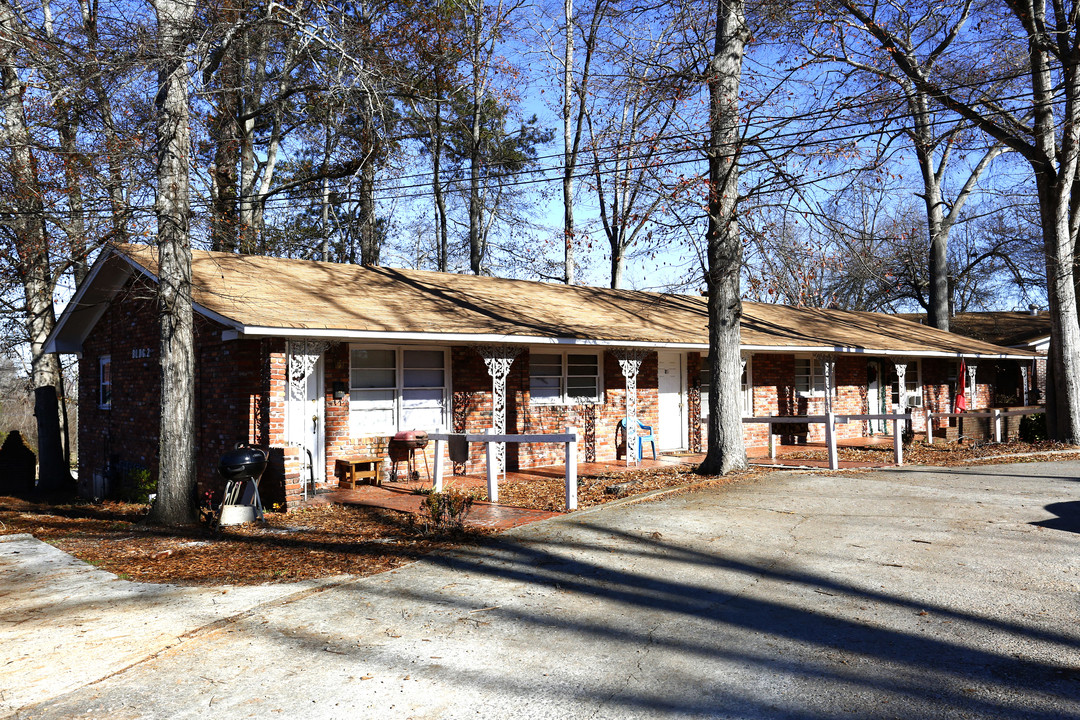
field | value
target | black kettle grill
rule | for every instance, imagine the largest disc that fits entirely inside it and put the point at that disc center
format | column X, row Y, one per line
column 242, row 464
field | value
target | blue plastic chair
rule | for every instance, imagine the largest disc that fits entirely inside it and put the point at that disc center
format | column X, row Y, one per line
column 645, row 435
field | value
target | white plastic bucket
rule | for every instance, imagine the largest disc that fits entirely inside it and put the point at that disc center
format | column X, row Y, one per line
column 236, row 514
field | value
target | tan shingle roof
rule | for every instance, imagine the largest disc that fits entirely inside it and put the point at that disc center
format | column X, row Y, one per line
column 1007, row 328
column 256, row 293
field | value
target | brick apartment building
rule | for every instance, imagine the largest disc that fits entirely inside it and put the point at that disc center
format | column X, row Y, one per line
column 319, row 360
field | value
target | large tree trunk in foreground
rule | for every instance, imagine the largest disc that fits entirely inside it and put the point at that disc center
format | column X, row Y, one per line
column 32, row 264
column 176, row 480
column 725, row 451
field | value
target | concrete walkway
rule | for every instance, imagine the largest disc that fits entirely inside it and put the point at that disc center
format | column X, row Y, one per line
column 908, row 593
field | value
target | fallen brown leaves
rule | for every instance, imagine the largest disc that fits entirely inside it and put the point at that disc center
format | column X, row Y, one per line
column 315, row 542
column 550, row 493
column 327, row 540
column 942, row 454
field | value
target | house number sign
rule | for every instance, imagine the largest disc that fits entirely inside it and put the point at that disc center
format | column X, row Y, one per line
column 138, row 353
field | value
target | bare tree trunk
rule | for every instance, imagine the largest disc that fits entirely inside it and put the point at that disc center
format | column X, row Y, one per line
column 176, row 480
column 476, row 249
column 568, row 145
column 726, row 451
column 35, row 273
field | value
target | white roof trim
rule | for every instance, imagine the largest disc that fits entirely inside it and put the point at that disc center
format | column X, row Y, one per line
column 346, row 335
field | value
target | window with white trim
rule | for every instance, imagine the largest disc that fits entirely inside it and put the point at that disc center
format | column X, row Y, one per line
column 911, row 383
column 397, row 388
column 563, row 378
column 105, row 382
column 746, row 387
column 810, row 377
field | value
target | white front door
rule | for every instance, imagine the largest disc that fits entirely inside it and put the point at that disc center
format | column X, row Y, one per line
column 305, row 422
column 671, row 435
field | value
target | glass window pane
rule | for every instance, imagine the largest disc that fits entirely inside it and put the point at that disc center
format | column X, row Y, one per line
column 423, row 378
column 582, row 364
column 371, row 399
column 421, row 418
column 373, row 358
column 581, row 387
column 545, row 359
column 366, row 378
column 424, row 359
column 422, row 398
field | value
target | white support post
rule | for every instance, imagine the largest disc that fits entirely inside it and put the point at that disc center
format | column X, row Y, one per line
column 929, row 428
column 630, row 360
column 492, row 468
column 830, row 439
column 898, row 443
column 571, row 470
column 772, row 442
column 971, row 369
column 1024, row 382
column 439, row 446
column 997, row 425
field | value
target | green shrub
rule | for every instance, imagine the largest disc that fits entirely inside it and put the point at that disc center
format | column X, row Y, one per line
column 1033, row 427
column 139, row 485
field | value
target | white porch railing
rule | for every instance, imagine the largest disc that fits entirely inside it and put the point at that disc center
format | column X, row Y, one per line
column 569, row 439
column 830, row 420
column 994, row 413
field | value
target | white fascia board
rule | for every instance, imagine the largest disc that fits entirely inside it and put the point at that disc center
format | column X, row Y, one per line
column 886, row 353
column 77, row 304
column 69, row 340
column 346, row 335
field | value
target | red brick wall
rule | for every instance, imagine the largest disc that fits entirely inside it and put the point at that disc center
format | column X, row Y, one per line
column 231, row 404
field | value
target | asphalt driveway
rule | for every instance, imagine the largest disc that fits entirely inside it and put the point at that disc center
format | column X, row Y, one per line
column 906, row 593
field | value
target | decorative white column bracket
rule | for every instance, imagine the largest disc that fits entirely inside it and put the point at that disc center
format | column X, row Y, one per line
column 303, row 354
column 630, row 360
column 901, row 364
column 971, row 385
column 498, row 359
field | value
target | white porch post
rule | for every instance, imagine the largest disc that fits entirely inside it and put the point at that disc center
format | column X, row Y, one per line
column 897, row 443
column 1025, row 371
column 901, row 382
column 498, row 359
column 828, row 371
column 440, row 445
column 901, row 364
column 830, row 440
column 490, row 452
column 971, row 385
column 630, row 363
column 571, row 470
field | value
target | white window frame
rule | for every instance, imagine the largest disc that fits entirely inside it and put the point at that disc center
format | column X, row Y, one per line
column 103, row 362
column 817, row 372
column 564, row 398
column 357, row 428
column 915, row 396
column 746, row 388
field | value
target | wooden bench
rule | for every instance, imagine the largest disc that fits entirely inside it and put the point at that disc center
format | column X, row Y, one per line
column 353, row 471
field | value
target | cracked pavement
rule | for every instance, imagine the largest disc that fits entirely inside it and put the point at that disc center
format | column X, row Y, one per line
column 902, row 593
